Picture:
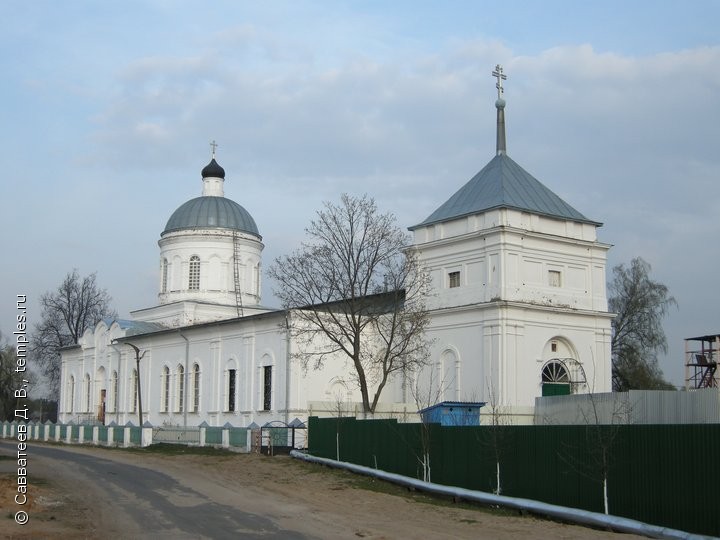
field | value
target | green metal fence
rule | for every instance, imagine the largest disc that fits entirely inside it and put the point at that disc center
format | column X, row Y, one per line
column 238, row 437
column 135, row 435
column 659, row 474
column 213, row 435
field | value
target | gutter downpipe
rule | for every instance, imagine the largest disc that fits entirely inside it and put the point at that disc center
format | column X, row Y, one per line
column 574, row 515
column 287, row 367
column 185, row 376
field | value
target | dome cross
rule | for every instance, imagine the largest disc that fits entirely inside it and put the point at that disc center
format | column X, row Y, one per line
column 500, row 76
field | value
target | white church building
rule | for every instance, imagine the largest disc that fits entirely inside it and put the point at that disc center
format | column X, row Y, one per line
column 518, row 310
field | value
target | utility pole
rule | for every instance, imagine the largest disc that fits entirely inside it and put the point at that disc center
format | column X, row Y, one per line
column 138, row 357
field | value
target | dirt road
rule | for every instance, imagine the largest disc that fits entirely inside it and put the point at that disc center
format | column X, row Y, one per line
column 235, row 496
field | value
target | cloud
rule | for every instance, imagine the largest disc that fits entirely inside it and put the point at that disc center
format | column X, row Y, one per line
column 627, row 140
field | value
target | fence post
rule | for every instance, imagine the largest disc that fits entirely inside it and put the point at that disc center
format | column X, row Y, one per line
column 226, row 435
column 203, row 430
column 146, row 437
column 126, row 435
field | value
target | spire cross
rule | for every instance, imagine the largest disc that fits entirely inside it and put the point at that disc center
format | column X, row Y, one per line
column 213, row 145
column 500, row 76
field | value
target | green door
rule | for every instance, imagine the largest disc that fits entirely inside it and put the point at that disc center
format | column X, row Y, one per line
column 556, row 389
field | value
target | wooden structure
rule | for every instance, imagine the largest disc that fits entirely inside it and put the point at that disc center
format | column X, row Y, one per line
column 701, row 359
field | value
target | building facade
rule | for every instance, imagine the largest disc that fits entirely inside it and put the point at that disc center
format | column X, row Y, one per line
column 519, row 310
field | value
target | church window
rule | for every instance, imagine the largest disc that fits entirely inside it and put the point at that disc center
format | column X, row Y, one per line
column 71, row 394
column 164, row 272
column 115, row 387
column 555, row 379
column 166, row 389
column 194, row 280
column 180, row 389
column 87, row 393
column 454, row 279
column 134, row 383
column 267, row 388
column 232, row 388
column 554, row 278
column 196, row 388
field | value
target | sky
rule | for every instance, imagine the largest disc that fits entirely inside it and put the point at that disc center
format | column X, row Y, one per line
column 108, row 109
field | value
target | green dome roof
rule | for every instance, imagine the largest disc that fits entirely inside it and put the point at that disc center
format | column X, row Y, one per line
column 212, row 213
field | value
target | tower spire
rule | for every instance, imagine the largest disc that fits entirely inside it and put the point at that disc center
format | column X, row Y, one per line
column 500, row 145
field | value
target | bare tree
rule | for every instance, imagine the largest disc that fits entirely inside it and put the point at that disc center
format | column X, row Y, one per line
column 497, row 435
column 603, row 415
column 77, row 304
column 357, row 291
column 11, row 381
column 426, row 394
column 640, row 304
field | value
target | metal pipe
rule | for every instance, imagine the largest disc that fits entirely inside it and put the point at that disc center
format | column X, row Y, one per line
column 287, row 368
column 116, row 399
column 575, row 515
column 185, row 376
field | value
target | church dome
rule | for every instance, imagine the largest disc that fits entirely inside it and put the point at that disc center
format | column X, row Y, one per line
column 209, row 212
column 213, row 170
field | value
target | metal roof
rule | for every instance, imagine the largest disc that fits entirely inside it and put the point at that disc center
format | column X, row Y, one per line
column 502, row 183
column 134, row 327
column 211, row 212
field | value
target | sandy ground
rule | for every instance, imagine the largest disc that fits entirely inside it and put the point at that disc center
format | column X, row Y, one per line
column 310, row 499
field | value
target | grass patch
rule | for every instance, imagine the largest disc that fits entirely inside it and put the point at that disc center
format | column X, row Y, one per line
column 167, row 449
column 349, row 479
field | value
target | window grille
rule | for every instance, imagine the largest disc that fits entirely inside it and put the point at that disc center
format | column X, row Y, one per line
column 267, row 388
column 194, row 280
column 181, row 389
column 166, row 389
column 196, row 388
column 232, row 378
column 164, row 276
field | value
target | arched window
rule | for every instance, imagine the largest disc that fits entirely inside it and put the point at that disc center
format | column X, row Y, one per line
column 180, row 388
column 555, row 379
column 196, row 388
column 267, row 388
column 231, row 389
column 71, row 394
column 115, row 387
column 164, row 274
column 194, row 279
column 87, row 392
column 166, row 389
column 134, row 391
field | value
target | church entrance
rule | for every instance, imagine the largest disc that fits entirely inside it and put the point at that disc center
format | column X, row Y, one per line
column 555, row 379
column 101, row 407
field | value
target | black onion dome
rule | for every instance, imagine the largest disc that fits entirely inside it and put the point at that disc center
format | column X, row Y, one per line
column 213, row 170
